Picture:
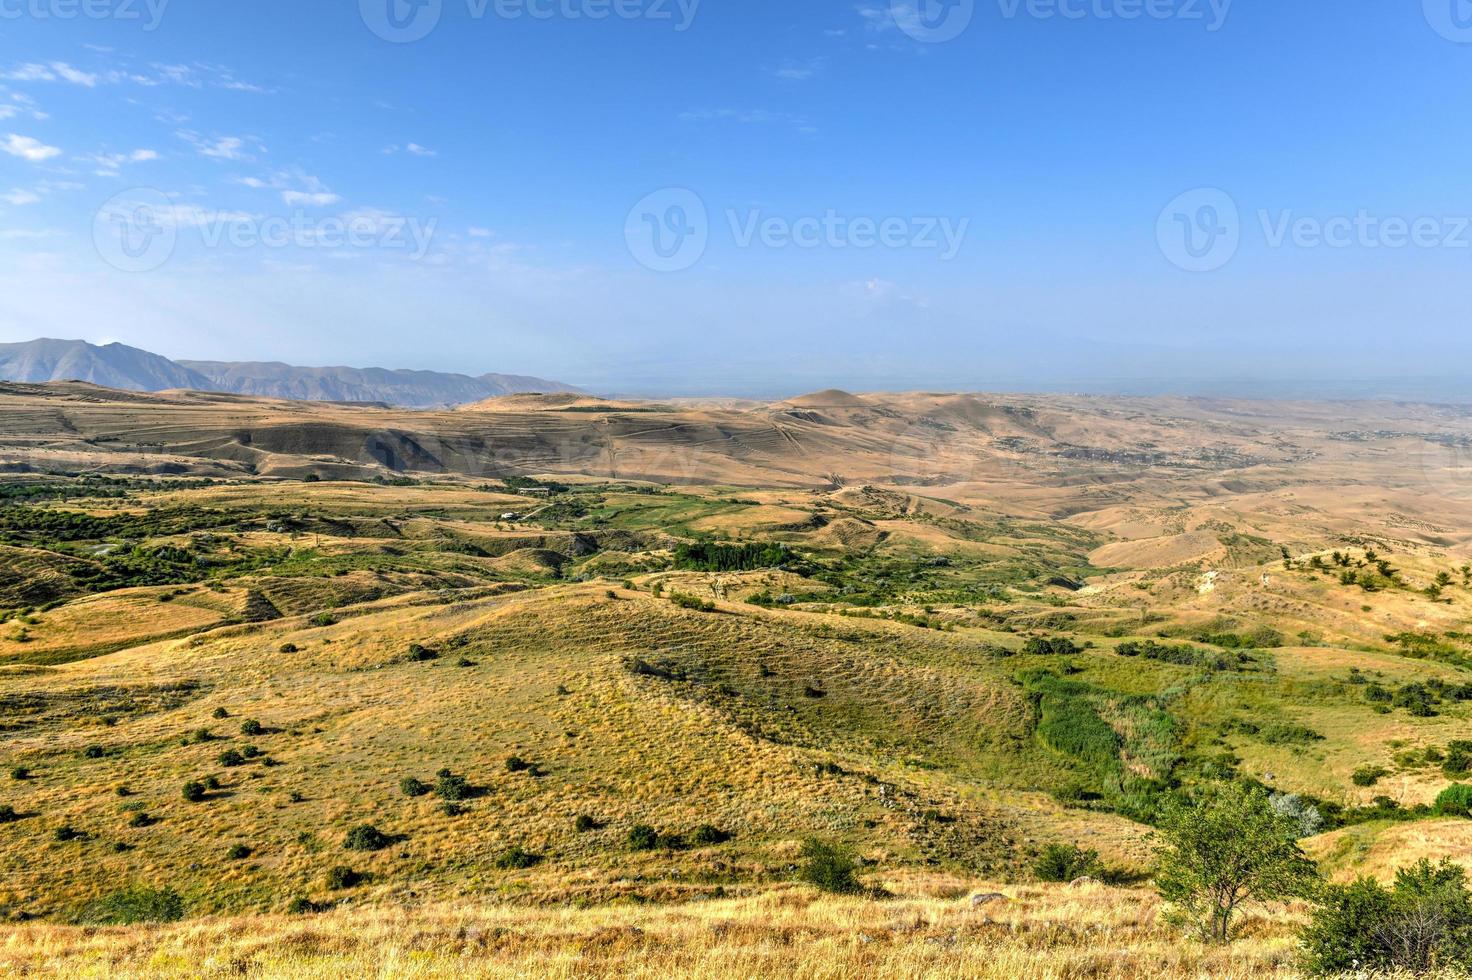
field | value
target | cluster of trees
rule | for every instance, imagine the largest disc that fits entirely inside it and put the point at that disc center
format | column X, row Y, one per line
column 707, row 556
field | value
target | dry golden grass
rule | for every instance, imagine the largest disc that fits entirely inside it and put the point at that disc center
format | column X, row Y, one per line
column 929, row 930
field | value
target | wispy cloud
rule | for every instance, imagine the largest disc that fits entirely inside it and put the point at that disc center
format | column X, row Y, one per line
column 750, row 117
column 222, row 147
column 19, row 197
column 108, row 164
column 320, row 199
column 413, row 149
column 28, row 148
column 793, row 70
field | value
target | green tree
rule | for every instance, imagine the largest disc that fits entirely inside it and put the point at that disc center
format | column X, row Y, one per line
column 1422, row 924
column 1224, row 851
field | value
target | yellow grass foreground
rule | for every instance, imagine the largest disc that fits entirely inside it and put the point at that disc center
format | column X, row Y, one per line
column 790, row 932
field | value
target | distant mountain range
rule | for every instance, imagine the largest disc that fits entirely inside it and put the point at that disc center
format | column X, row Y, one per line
column 120, row 366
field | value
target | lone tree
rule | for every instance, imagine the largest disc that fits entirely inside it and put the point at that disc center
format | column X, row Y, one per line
column 1224, row 851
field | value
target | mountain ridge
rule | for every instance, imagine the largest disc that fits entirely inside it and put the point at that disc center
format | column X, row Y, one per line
column 118, row 365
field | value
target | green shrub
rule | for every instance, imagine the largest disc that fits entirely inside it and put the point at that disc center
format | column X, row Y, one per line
column 142, row 819
column 66, row 832
column 230, row 758
column 1367, row 775
column 412, row 787
column 194, row 791
column 301, row 905
column 1423, row 923
column 643, row 837
column 288, row 648
column 829, row 867
column 20, row 773
column 452, row 787
column 220, row 713
column 692, row 602
column 707, row 835
column 366, row 837
column 324, row 619
column 252, row 727
column 1065, row 862
column 1455, row 800
column 238, row 852
column 517, row 764
column 94, row 752
column 584, row 823
column 135, row 905
column 8, row 814
column 419, row 653
column 516, row 858
column 343, row 876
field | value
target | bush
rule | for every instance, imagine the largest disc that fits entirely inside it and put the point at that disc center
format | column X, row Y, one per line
column 324, row 619
column 1050, row 646
column 252, row 727
column 366, row 837
column 829, row 867
column 230, row 758
column 452, row 787
column 1455, row 800
column 517, row 764
column 1065, row 862
column 707, row 835
column 66, row 832
column 584, row 823
column 288, row 648
column 8, row 814
column 516, row 858
column 220, row 713
column 301, row 905
column 412, row 787
column 419, row 654
column 343, row 876
column 20, row 773
column 643, row 837
column 135, row 905
column 141, row 819
column 194, row 791
column 1422, row 924
column 238, row 852
column 94, row 752
column 1367, row 775
column 692, row 602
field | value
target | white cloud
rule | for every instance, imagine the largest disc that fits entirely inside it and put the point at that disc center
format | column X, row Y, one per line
column 19, row 197
column 69, row 74
column 28, row 149
column 222, row 147
column 319, row 199
column 799, row 71
column 413, row 148
column 108, row 164
column 480, row 233
column 255, row 183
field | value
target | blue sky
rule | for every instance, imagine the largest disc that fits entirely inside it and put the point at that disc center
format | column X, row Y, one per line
column 486, row 197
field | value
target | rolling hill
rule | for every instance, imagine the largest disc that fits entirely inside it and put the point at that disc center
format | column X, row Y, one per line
column 131, row 369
